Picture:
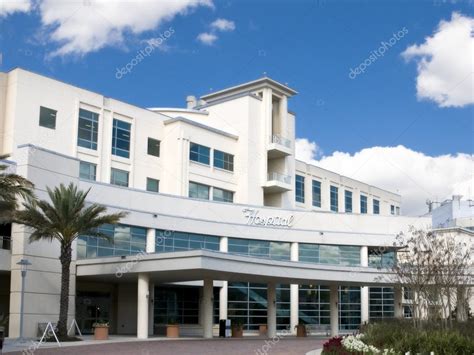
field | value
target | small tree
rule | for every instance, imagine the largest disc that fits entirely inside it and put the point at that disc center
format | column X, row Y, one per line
column 64, row 219
column 434, row 266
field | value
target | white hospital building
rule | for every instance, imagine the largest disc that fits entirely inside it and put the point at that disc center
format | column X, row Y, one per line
column 224, row 222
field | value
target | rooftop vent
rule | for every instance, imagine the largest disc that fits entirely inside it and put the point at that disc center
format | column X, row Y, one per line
column 191, row 102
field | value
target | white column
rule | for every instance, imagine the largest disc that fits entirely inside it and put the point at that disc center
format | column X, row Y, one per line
column 364, row 290
column 294, row 293
column 207, row 303
column 151, row 311
column 398, row 302
column 142, row 305
column 150, row 240
column 271, row 310
column 461, row 301
column 223, row 292
column 334, row 309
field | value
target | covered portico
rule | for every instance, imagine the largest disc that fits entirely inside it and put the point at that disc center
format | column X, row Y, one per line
column 148, row 269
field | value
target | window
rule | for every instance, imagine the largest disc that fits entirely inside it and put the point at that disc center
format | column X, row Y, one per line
column 222, row 195
column 392, row 209
column 223, row 160
column 152, row 185
column 88, row 129
column 87, row 171
column 47, row 117
column 334, row 198
column 199, row 153
column 316, row 193
column 198, row 191
column 376, row 206
column 167, row 241
column 119, row 177
column 121, row 138
column 153, row 147
column 348, row 200
column 381, row 303
column 398, row 210
column 260, row 248
column 363, row 204
column 299, row 188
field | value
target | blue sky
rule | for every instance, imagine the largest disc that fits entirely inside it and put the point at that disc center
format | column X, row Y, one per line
column 311, row 45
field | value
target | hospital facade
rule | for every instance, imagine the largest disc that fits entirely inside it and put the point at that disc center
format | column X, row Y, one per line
column 224, row 222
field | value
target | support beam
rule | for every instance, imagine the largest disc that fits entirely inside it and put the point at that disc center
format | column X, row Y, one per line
column 398, row 302
column 207, row 305
column 223, row 298
column 334, row 309
column 142, row 305
column 294, row 293
column 364, row 290
column 271, row 310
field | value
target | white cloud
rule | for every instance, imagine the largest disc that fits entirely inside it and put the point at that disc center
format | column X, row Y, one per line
column 414, row 175
column 445, row 63
column 8, row 7
column 207, row 38
column 87, row 26
column 221, row 24
column 306, row 150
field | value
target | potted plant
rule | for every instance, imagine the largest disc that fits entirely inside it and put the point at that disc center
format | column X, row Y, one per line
column 101, row 330
column 237, row 329
column 172, row 329
column 262, row 329
column 300, row 330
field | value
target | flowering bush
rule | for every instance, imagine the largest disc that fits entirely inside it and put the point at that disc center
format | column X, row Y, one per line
column 354, row 343
column 334, row 347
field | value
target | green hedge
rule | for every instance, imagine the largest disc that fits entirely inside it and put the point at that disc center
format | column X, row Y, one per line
column 402, row 336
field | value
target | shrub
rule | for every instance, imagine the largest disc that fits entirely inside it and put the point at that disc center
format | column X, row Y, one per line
column 334, row 347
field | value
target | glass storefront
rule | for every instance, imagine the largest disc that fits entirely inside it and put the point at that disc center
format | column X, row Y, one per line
column 314, row 305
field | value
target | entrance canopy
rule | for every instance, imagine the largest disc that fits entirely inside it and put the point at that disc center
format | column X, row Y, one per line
column 203, row 264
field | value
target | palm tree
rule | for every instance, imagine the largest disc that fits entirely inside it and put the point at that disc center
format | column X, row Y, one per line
column 64, row 219
column 12, row 186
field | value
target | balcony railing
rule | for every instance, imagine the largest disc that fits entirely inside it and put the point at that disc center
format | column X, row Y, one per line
column 286, row 179
column 5, row 242
column 281, row 140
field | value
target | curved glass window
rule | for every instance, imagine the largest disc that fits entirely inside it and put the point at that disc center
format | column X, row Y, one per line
column 259, row 248
column 329, row 254
column 170, row 241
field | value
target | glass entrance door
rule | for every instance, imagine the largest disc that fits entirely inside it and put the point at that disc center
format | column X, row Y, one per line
column 92, row 307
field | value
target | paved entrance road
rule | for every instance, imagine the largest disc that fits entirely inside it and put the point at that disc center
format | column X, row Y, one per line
column 288, row 346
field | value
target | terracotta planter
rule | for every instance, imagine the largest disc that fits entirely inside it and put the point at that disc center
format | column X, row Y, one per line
column 172, row 331
column 262, row 329
column 300, row 330
column 237, row 331
column 101, row 333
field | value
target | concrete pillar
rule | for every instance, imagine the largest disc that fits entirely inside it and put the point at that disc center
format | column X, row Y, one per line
column 150, row 240
column 223, row 292
column 334, row 309
column 142, row 305
column 461, row 302
column 207, row 307
column 398, row 302
column 151, row 310
column 364, row 290
column 294, row 293
column 271, row 310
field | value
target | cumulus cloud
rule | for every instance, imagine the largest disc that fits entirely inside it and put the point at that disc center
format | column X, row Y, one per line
column 87, row 26
column 221, row 24
column 444, row 63
column 414, row 175
column 207, row 38
column 8, row 7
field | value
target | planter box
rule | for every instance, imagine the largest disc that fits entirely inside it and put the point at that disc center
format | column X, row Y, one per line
column 172, row 331
column 262, row 329
column 237, row 331
column 300, row 330
column 101, row 333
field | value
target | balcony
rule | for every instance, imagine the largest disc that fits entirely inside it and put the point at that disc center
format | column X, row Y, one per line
column 277, row 182
column 279, row 147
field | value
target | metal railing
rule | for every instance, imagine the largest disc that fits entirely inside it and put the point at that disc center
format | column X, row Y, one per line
column 277, row 139
column 5, row 242
column 279, row 177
